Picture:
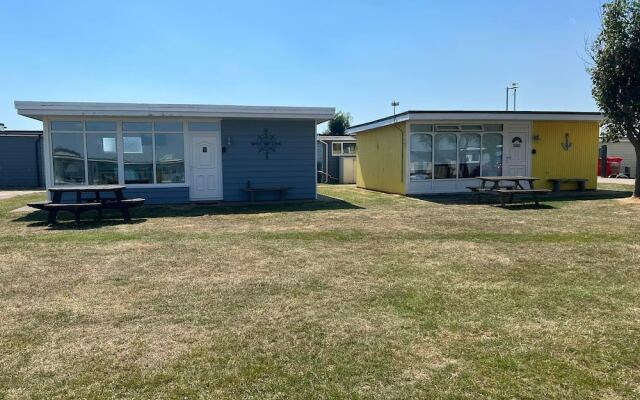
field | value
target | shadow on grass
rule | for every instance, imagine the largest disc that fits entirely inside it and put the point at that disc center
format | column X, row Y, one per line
column 138, row 215
column 523, row 202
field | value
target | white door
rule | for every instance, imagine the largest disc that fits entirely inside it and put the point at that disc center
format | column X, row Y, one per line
column 516, row 149
column 206, row 170
column 347, row 169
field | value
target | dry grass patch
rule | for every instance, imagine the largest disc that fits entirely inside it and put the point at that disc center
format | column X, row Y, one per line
column 368, row 296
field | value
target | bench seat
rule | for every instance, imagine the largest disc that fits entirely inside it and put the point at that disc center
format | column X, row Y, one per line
column 253, row 190
column 127, row 203
column 510, row 193
column 581, row 183
column 47, row 205
column 521, row 191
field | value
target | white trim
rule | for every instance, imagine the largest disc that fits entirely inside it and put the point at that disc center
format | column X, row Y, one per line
column 47, row 156
column 40, row 109
column 346, row 138
column 342, row 153
column 315, row 165
column 444, row 117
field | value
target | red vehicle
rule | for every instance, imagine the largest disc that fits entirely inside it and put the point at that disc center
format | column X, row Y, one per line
column 613, row 166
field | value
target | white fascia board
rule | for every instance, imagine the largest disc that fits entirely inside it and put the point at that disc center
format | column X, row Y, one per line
column 378, row 124
column 479, row 116
column 345, row 138
column 38, row 110
column 542, row 116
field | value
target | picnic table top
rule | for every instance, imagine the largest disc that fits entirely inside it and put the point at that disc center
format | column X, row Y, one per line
column 88, row 188
column 508, row 178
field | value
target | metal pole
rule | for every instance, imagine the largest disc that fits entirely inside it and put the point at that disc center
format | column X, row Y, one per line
column 506, row 108
column 515, row 89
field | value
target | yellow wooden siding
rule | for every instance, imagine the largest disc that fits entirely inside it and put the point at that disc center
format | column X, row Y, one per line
column 552, row 161
column 380, row 159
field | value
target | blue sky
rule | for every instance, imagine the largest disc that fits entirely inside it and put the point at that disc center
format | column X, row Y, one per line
column 354, row 55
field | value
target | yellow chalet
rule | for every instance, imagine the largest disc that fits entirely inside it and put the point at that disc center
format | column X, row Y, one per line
column 422, row 152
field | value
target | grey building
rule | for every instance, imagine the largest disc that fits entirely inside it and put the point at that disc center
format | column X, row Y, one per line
column 336, row 159
column 21, row 161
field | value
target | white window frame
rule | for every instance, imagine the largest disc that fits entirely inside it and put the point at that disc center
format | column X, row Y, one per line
column 342, row 153
column 457, row 133
column 49, row 171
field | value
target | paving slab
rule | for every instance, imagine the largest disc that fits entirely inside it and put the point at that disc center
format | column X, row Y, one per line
column 7, row 194
column 618, row 181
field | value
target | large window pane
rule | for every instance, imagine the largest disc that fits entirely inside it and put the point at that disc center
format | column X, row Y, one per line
column 445, row 156
column 136, row 126
column 102, row 158
column 109, row 126
column 469, row 155
column 68, row 157
column 420, row 153
column 492, row 154
column 66, row 125
column 138, row 157
column 169, row 158
column 348, row 148
column 167, row 126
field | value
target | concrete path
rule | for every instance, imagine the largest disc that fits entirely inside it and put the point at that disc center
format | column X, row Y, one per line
column 7, row 194
column 619, row 181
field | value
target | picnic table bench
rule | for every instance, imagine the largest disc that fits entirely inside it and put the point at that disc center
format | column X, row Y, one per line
column 581, row 183
column 515, row 187
column 281, row 190
column 82, row 204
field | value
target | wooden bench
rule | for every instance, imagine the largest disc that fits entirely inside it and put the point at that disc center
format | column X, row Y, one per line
column 281, row 190
column 581, row 183
column 78, row 208
column 510, row 193
column 74, row 208
column 123, row 205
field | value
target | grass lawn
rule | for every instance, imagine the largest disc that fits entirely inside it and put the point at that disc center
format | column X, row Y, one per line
column 369, row 296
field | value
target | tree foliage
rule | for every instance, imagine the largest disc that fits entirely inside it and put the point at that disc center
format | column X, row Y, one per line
column 615, row 72
column 339, row 124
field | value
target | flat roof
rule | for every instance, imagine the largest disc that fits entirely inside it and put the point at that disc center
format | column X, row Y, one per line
column 41, row 109
column 13, row 132
column 336, row 138
column 463, row 115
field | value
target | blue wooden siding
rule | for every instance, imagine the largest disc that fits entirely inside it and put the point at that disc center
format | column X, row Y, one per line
column 21, row 162
column 159, row 195
column 292, row 164
column 152, row 195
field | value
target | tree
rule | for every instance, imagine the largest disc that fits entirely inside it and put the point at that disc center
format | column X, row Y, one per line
column 615, row 73
column 339, row 124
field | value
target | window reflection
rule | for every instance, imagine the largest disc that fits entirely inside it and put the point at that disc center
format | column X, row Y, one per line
column 102, row 158
column 68, row 157
column 469, row 155
column 445, row 156
column 169, row 158
column 421, row 151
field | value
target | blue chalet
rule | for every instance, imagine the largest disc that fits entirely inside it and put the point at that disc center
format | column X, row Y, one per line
column 179, row 153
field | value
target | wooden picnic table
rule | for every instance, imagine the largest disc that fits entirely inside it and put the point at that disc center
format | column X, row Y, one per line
column 82, row 203
column 517, row 187
column 516, row 180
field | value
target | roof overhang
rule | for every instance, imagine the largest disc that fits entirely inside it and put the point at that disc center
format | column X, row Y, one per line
column 41, row 109
column 334, row 138
column 477, row 116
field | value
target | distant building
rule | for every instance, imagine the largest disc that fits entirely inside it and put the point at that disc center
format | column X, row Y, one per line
column 21, row 161
column 336, row 159
column 625, row 150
